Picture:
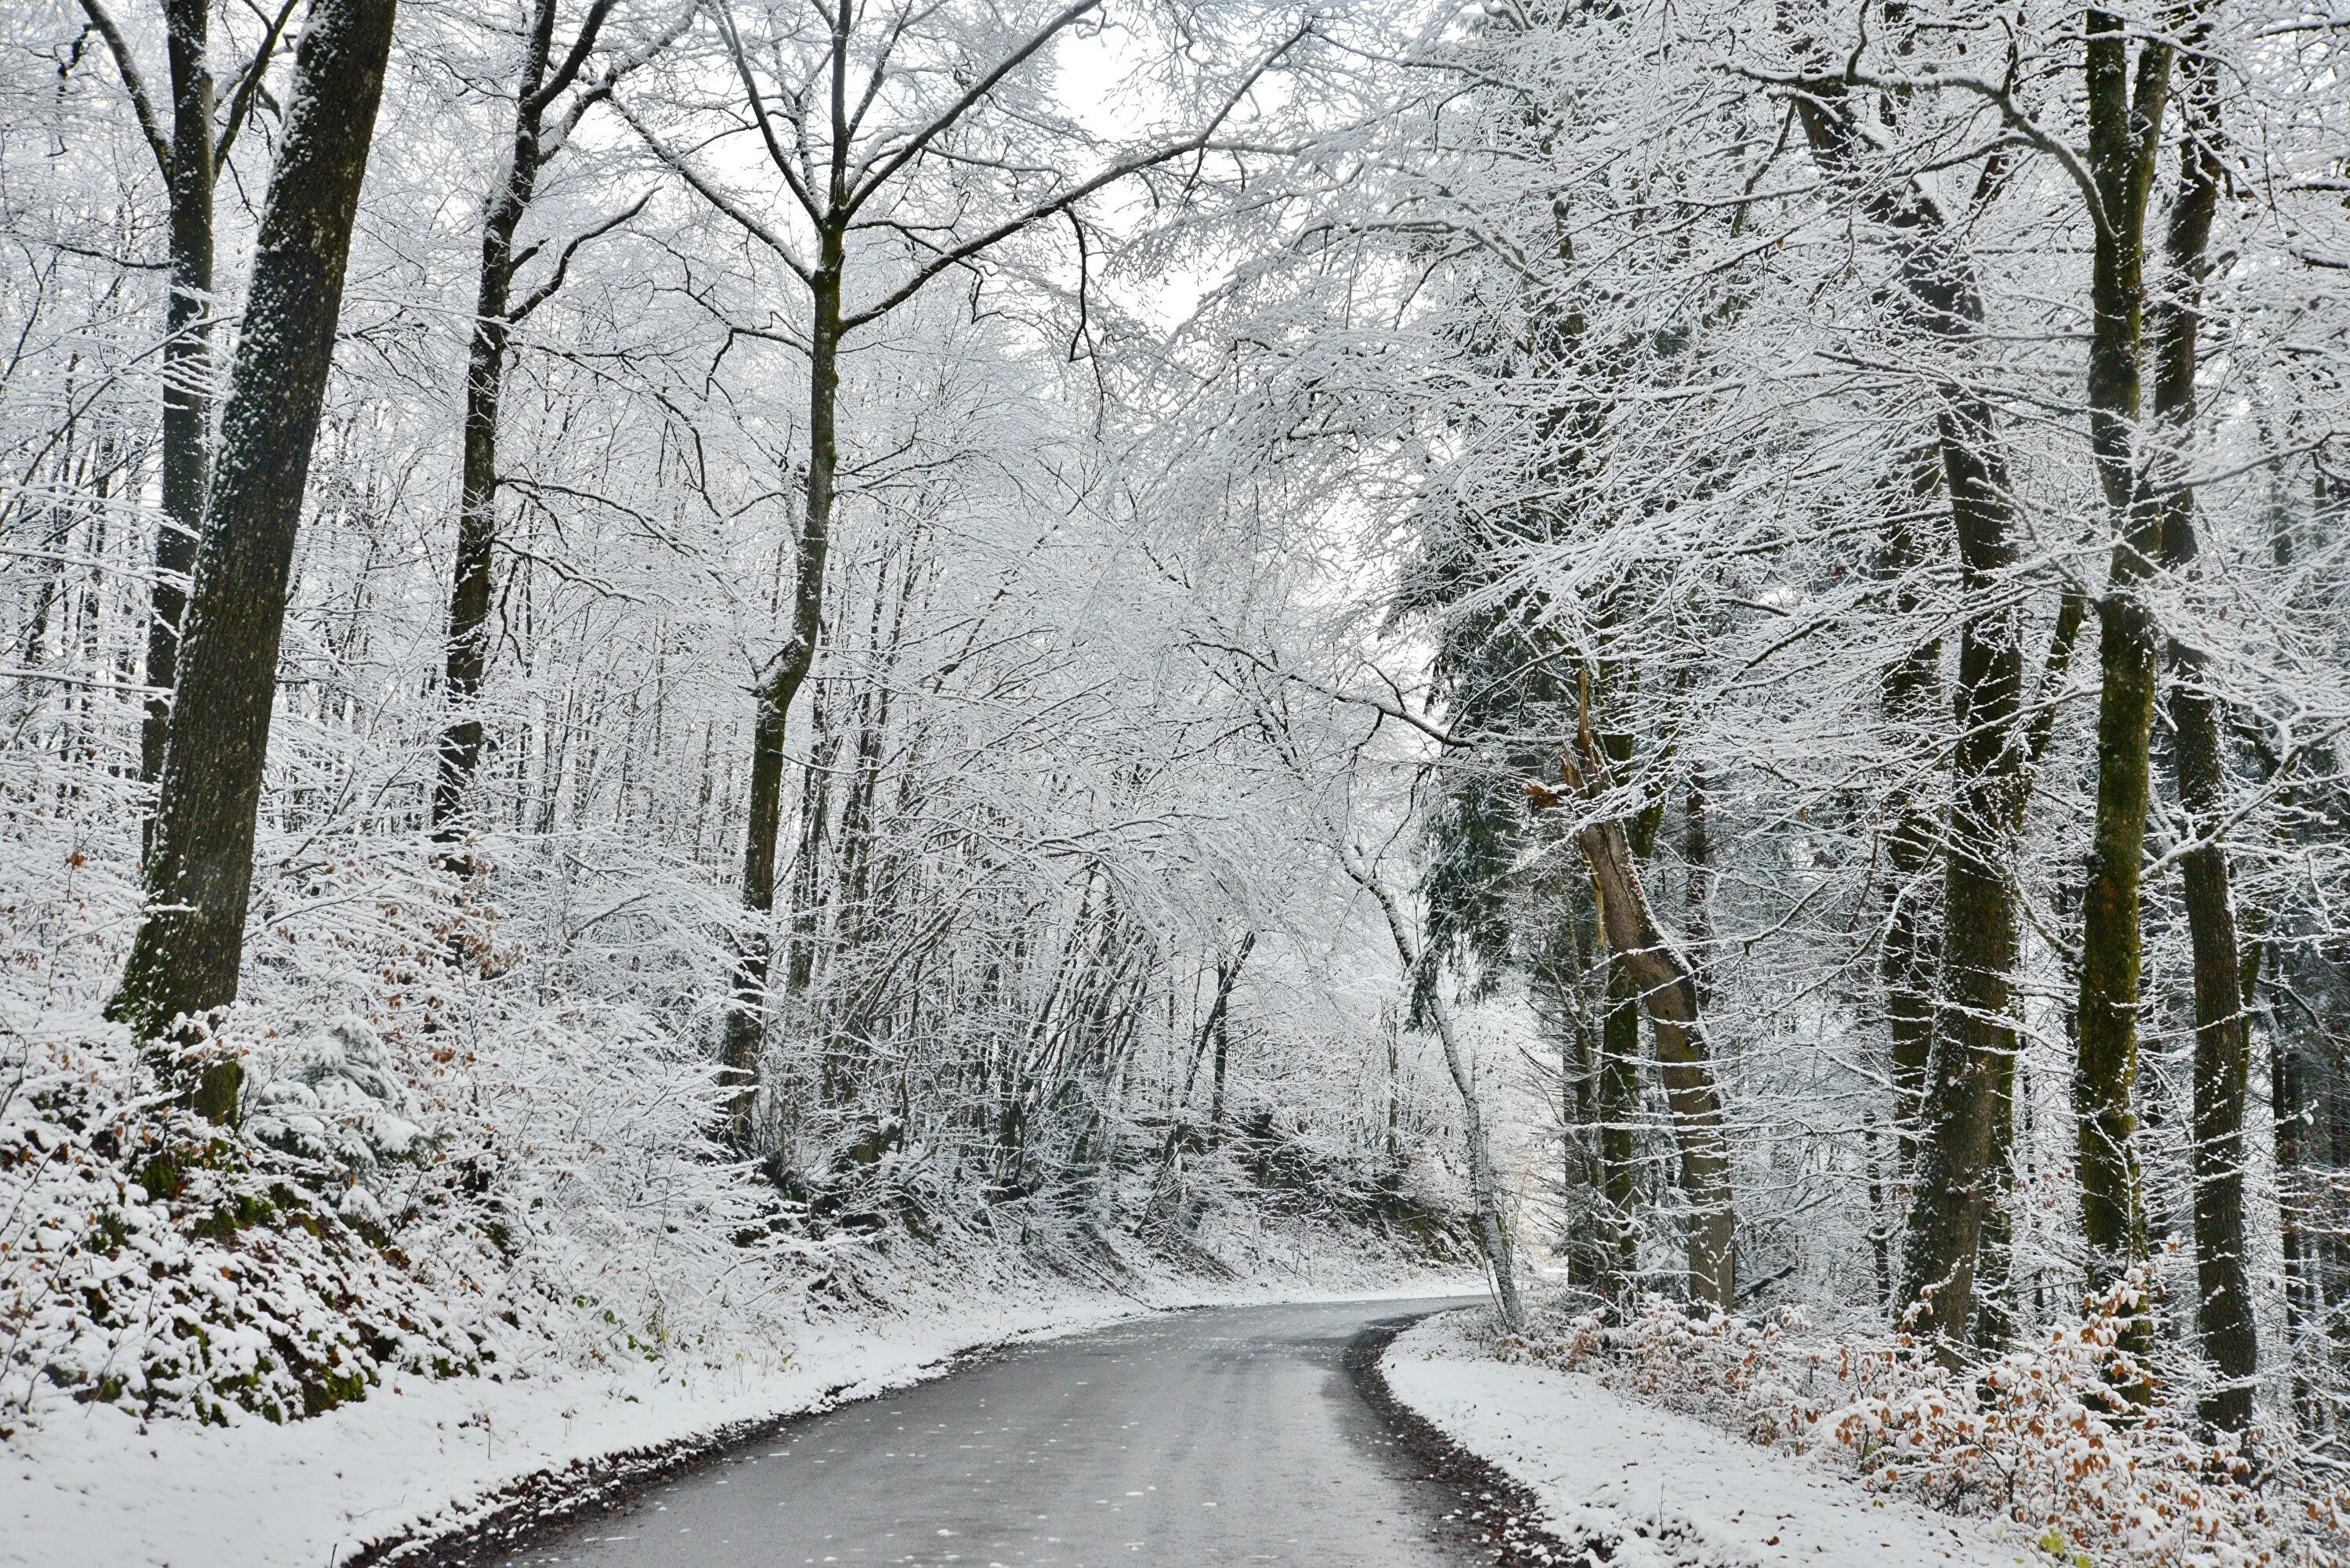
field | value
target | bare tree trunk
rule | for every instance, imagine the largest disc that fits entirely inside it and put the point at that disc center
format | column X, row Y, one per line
column 187, row 366
column 1696, row 854
column 1218, row 1027
column 1971, row 1067
column 190, row 159
column 469, row 579
column 1911, row 697
column 2222, row 1071
column 495, row 318
column 809, row 860
column 1393, row 1141
column 1485, row 1187
column 2295, row 1112
column 1668, row 989
column 2124, row 130
column 1618, row 1110
column 1972, row 1062
column 190, row 940
column 746, row 1009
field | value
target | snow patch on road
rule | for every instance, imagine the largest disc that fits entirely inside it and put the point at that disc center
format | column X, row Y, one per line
column 102, row 1487
column 1663, row 1490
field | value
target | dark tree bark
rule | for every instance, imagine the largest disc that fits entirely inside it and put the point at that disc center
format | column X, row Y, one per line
column 542, row 81
column 2124, row 127
column 1911, row 699
column 190, row 157
column 2294, row 1107
column 1618, row 1072
column 2224, row 1316
column 1971, row 1066
column 184, row 960
column 187, row 366
column 1971, row 1072
column 1218, row 1025
column 1617, row 1109
column 810, row 860
column 1697, row 855
column 746, row 1027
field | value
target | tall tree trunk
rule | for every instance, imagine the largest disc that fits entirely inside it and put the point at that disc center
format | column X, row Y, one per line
column 1910, row 695
column 1970, row 1065
column 1971, row 1071
column 1219, row 1026
column 2223, row 1316
column 190, row 940
column 2295, row 1112
column 485, row 366
column 1618, row 1110
column 1697, row 855
column 2124, row 130
column 746, row 1009
column 811, row 861
column 1392, row 1141
column 1618, row 1072
column 187, row 368
column 528, row 150
column 1668, row 989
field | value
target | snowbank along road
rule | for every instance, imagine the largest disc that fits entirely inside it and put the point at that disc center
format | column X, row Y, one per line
column 1207, row 1440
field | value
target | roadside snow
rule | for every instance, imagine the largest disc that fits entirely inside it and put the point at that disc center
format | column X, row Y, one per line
column 1661, row 1489
column 100, row 1487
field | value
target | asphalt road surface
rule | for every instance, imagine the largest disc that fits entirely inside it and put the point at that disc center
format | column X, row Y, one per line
column 1204, row 1439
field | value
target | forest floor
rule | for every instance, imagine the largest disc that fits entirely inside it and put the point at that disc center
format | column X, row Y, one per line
column 419, row 1458
column 1651, row 1489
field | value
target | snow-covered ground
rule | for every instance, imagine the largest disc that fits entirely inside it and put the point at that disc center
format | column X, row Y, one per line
column 1661, row 1489
column 97, row 1486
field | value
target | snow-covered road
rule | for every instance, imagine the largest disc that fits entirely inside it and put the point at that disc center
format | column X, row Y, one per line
column 1224, row 1436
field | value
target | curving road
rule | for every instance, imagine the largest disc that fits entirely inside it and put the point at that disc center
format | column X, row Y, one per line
column 1204, row 1439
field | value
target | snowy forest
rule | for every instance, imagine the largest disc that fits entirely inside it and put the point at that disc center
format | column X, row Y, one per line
column 675, row 666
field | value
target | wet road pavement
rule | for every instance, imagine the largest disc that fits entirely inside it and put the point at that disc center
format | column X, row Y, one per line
column 1205, row 1439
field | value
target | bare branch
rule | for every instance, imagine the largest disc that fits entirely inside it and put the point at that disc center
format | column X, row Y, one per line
column 142, row 104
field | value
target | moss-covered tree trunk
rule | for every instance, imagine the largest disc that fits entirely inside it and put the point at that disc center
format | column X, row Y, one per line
column 1910, row 698
column 1971, row 1072
column 2124, row 123
column 1616, row 1108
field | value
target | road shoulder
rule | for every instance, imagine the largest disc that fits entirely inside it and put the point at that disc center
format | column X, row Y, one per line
column 1644, row 1488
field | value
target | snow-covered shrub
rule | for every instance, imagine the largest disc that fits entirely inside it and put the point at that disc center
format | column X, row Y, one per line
column 151, row 1260
column 454, row 1159
column 2037, row 1435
